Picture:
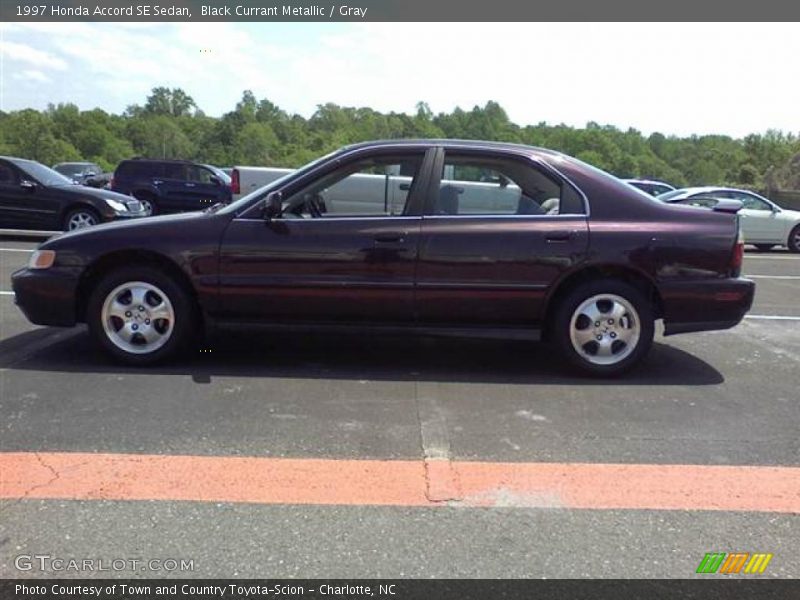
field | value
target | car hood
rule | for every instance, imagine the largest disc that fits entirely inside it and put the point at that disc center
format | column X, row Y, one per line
column 141, row 227
column 83, row 190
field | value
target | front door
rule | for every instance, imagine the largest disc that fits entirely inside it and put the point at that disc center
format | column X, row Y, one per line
column 343, row 249
column 496, row 236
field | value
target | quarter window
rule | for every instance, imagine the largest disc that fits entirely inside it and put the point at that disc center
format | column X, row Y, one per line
column 492, row 186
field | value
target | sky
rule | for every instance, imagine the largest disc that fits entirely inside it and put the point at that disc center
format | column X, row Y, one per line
column 675, row 78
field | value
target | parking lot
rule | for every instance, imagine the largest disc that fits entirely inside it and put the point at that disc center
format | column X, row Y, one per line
column 396, row 457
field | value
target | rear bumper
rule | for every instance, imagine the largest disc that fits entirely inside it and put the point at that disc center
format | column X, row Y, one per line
column 46, row 297
column 705, row 305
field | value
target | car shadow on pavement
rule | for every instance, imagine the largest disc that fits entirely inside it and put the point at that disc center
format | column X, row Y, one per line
column 351, row 357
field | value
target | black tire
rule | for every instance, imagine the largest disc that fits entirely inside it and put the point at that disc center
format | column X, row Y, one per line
column 147, row 198
column 185, row 324
column 630, row 355
column 78, row 212
column 765, row 247
column 794, row 240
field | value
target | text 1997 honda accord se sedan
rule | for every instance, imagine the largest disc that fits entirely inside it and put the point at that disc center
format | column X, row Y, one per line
column 432, row 236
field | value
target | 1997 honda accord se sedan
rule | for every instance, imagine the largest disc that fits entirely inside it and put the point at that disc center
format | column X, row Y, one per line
column 431, row 236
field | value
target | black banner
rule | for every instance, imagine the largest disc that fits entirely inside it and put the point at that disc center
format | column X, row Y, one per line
column 738, row 588
column 395, row 10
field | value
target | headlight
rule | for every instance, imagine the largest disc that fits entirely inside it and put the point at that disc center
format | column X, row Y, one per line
column 42, row 259
column 116, row 205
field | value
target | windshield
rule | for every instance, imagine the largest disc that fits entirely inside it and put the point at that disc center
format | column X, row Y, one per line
column 260, row 192
column 42, row 174
column 226, row 179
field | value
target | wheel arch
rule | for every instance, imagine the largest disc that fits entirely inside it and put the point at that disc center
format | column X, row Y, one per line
column 123, row 258
column 635, row 277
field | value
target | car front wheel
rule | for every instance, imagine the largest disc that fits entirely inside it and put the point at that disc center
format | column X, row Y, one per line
column 79, row 218
column 140, row 316
column 604, row 327
column 794, row 239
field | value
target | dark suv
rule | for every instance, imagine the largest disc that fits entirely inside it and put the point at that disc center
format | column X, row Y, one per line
column 171, row 186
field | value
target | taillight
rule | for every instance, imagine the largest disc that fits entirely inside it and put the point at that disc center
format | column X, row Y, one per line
column 738, row 253
column 235, row 181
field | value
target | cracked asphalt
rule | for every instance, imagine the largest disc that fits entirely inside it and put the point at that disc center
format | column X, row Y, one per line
column 713, row 399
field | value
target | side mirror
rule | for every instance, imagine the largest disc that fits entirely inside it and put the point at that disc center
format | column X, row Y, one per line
column 273, row 206
column 504, row 181
column 215, row 180
column 27, row 185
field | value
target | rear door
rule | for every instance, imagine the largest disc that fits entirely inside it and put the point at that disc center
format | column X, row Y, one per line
column 499, row 229
column 175, row 195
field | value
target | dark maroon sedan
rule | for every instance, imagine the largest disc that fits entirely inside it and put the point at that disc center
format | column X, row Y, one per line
column 432, row 236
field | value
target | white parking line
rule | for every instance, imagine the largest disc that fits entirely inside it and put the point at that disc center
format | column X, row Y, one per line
column 772, row 317
column 773, row 276
column 15, row 250
column 4, row 293
column 750, row 256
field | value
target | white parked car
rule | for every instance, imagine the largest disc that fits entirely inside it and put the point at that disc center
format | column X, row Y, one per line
column 764, row 223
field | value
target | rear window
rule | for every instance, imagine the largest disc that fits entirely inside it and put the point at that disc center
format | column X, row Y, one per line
column 136, row 169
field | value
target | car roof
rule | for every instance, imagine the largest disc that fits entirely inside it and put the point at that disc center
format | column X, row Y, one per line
column 17, row 160
column 456, row 143
column 75, row 162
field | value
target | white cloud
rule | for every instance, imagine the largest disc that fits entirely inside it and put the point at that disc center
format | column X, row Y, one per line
column 32, row 75
column 674, row 78
column 32, row 56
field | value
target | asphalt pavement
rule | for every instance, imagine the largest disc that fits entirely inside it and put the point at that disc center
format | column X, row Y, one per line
column 317, row 407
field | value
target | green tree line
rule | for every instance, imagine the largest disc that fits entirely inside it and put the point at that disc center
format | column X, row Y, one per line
column 257, row 132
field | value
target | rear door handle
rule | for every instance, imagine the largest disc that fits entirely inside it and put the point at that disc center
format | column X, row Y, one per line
column 190, row 185
column 559, row 236
column 157, row 182
column 390, row 238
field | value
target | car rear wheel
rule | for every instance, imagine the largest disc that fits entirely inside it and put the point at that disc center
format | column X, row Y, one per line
column 604, row 327
column 794, row 239
column 140, row 316
column 79, row 218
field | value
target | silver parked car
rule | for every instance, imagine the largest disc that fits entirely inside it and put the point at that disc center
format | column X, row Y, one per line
column 764, row 223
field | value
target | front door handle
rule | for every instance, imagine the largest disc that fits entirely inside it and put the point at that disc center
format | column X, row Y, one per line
column 190, row 185
column 559, row 236
column 390, row 238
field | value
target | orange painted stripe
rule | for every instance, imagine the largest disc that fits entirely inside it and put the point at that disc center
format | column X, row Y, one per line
column 84, row 476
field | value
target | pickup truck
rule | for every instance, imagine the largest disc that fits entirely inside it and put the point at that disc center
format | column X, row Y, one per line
column 248, row 179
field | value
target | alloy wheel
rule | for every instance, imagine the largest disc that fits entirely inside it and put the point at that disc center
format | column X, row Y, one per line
column 138, row 317
column 80, row 220
column 605, row 329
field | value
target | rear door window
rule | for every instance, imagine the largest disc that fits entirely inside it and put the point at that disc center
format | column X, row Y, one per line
column 488, row 185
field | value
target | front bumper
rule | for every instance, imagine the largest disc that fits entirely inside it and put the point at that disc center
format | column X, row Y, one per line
column 705, row 305
column 46, row 296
